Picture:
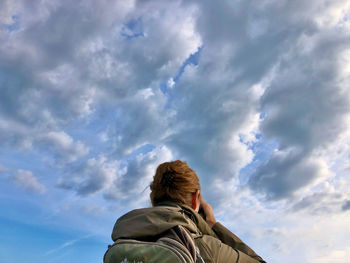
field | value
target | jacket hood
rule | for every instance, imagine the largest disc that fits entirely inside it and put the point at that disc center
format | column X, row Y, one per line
column 148, row 222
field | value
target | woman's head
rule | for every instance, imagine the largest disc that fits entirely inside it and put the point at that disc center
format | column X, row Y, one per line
column 174, row 181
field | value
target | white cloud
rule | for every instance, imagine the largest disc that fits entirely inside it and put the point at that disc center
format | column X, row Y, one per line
column 90, row 177
column 59, row 67
column 28, row 181
column 306, row 107
column 317, row 222
column 171, row 83
column 76, row 76
column 335, row 256
column 136, row 177
column 63, row 146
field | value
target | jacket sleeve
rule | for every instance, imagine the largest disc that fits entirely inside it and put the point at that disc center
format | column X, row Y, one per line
column 230, row 239
column 213, row 250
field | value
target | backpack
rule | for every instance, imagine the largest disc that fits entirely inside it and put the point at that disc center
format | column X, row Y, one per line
column 174, row 246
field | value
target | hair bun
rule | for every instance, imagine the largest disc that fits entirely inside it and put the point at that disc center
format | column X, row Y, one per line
column 174, row 181
column 168, row 178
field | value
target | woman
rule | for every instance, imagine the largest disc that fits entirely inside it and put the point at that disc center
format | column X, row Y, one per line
column 175, row 196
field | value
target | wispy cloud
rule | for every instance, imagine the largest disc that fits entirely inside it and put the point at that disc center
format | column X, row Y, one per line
column 24, row 179
column 67, row 244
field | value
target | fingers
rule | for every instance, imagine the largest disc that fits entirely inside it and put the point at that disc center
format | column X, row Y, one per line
column 209, row 212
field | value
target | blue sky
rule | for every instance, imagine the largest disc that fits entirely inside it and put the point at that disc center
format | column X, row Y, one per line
column 254, row 95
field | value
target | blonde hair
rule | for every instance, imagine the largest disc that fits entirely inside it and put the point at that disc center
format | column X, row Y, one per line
column 174, row 181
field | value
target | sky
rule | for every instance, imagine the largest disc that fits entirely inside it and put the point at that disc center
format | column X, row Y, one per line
column 254, row 95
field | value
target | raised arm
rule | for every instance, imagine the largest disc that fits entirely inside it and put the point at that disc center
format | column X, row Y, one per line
column 225, row 235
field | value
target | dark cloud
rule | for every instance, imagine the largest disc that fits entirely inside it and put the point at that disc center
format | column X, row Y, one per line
column 306, row 108
column 320, row 203
column 71, row 59
column 136, row 177
column 346, row 205
column 284, row 173
column 141, row 120
column 90, row 177
column 63, row 62
column 247, row 92
column 215, row 101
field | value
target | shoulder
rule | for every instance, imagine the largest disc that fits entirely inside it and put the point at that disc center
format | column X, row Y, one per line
column 202, row 226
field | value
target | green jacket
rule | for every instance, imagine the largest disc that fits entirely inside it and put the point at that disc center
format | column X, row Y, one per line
column 215, row 244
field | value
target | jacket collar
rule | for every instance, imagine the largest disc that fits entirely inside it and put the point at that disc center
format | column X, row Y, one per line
column 202, row 225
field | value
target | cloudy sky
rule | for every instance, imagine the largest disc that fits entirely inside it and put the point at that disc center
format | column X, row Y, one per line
column 254, row 95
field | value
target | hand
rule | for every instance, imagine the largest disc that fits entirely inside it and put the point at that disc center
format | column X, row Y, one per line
column 208, row 210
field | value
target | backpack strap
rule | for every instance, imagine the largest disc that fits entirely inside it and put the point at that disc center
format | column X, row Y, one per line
column 184, row 240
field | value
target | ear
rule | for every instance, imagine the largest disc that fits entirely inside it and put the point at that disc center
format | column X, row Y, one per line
column 195, row 201
column 150, row 197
